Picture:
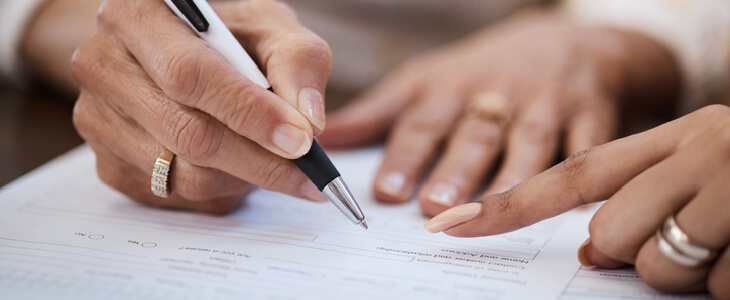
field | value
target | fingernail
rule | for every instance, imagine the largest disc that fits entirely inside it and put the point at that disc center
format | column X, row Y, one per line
column 311, row 104
column 442, row 193
column 453, row 217
column 310, row 192
column 392, row 183
column 291, row 140
column 582, row 258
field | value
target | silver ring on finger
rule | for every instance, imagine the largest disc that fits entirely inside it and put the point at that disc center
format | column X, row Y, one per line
column 677, row 246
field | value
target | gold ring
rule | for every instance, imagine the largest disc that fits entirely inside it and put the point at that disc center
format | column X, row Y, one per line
column 160, row 172
column 676, row 245
column 490, row 106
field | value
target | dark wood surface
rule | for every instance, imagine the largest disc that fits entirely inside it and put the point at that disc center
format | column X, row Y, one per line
column 35, row 127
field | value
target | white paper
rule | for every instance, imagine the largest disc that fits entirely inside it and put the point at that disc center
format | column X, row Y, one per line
column 65, row 235
column 597, row 284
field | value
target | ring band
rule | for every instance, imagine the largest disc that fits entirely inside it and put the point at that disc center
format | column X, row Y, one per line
column 160, row 184
column 676, row 245
column 675, row 236
column 672, row 254
column 490, row 106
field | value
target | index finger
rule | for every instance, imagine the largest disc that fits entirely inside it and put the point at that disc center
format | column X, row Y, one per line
column 190, row 72
column 588, row 176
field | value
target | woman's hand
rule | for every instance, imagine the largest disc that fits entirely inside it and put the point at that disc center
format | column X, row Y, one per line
column 524, row 90
column 147, row 81
column 679, row 169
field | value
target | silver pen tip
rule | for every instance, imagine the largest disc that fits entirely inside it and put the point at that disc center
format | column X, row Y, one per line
column 363, row 224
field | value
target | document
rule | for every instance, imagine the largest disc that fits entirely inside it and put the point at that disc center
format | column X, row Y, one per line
column 65, row 235
column 597, row 284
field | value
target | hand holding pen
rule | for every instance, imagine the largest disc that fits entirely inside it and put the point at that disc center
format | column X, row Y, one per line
column 148, row 82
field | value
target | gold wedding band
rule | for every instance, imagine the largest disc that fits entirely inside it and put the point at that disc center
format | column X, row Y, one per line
column 490, row 106
column 676, row 245
column 160, row 172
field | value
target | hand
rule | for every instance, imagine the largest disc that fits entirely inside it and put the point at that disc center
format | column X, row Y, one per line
column 679, row 169
column 547, row 78
column 147, row 81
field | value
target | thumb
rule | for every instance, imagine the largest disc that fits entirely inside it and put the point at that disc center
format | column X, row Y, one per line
column 296, row 61
column 590, row 257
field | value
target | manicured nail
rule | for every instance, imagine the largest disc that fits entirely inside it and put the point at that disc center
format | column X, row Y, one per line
column 392, row 183
column 311, row 104
column 291, row 140
column 442, row 193
column 453, row 217
column 310, row 192
column 582, row 258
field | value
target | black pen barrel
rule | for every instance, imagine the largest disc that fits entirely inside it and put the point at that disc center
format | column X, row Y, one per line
column 317, row 166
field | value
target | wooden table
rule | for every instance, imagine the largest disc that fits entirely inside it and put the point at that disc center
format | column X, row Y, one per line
column 35, row 127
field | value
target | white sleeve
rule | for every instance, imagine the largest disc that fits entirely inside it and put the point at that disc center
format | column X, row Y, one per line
column 14, row 16
column 697, row 32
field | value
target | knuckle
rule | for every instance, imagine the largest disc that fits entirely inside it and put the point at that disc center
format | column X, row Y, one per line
column 241, row 117
column 722, row 133
column 196, row 138
column 534, row 132
column 712, row 119
column 108, row 11
column 415, row 122
column 196, row 186
column 273, row 174
column 88, row 63
column 490, row 137
column 183, row 75
column 309, row 46
column 611, row 239
column 505, row 202
column 85, row 120
column 713, row 112
column 81, row 117
column 602, row 238
column 276, row 6
column 576, row 166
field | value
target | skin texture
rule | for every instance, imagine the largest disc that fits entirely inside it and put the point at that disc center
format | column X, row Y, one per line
column 564, row 84
column 147, row 81
column 680, row 168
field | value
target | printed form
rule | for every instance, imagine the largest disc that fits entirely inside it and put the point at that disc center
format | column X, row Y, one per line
column 65, row 235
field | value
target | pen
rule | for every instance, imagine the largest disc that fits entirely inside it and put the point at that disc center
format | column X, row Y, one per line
column 315, row 164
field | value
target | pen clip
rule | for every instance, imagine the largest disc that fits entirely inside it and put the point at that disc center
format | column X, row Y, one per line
column 191, row 11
